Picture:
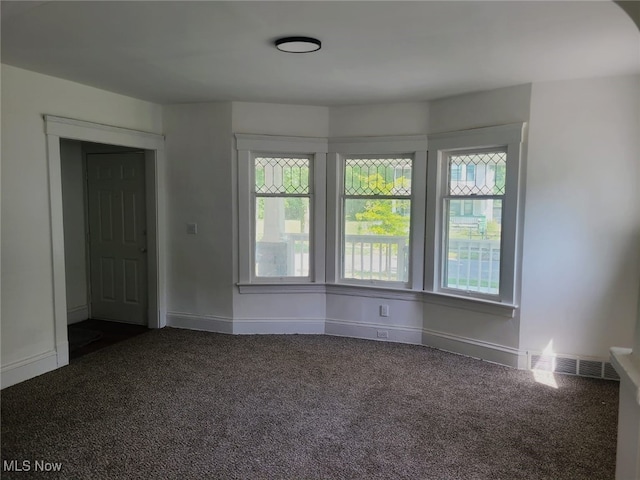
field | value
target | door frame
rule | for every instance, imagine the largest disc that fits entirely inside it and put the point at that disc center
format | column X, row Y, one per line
column 57, row 128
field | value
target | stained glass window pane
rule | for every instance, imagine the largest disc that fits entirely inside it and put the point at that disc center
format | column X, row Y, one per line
column 377, row 176
column 282, row 175
column 477, row 173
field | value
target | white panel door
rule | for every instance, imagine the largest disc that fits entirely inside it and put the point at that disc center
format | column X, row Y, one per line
column 117, row 237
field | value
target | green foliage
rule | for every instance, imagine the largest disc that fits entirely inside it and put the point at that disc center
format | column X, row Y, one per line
column 385, row 216
column 383, row 219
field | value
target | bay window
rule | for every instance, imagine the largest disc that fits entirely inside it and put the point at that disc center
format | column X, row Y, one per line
column 374, row 212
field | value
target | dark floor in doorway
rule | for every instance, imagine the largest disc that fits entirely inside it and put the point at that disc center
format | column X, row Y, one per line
column 91, row 335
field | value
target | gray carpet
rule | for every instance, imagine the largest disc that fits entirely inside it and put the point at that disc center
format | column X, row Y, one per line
column 177, row 404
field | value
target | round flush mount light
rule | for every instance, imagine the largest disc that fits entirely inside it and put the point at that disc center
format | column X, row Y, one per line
column 298, row 44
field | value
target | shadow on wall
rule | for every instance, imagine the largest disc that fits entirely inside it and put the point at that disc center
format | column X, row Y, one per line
column 618, row 302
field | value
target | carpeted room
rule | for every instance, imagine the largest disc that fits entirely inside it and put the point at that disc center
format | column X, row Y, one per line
column 183, row 404
column 495, row 214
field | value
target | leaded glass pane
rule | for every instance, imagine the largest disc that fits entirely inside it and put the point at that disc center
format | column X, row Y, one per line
column 377, row 176
column 477, row 173
column 282, row 175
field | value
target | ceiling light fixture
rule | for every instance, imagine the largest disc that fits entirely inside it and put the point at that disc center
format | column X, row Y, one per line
column 298, row 44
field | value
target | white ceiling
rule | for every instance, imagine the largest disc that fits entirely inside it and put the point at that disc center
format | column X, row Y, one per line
column 382, row 51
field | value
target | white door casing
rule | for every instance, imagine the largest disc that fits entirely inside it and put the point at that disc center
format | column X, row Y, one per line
column 153, row 144
column 117, row 237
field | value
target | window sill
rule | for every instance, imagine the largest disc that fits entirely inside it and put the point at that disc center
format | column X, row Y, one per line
column 470, row 303
column 623, row 362
column 444, row 299
column 281, row 287
column 374, row 291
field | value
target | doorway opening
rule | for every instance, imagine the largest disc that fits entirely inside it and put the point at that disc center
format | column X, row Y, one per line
column 107, row 210
column 105, row 234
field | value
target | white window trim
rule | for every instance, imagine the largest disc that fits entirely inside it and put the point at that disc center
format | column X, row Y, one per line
column 504, row 136
column 247, row 146
column 339, row 148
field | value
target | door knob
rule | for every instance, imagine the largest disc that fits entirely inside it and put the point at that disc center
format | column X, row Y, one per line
column 143, row 249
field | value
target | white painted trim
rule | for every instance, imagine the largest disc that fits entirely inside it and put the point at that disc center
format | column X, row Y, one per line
column 374, row 292
column 622, row 361
column 479, row 137
column 371, row 291
column 507, row 137
column 378, row 145
column 418, row 206
column 57, row 128
column 57, row 240
column 339, row 148
column 22, row 370
column 77, row 314
column 470, row 347
column 62, row 354
column 96, row 132
column 252, row 326
column 319, row 212
column 627, row 365
column 250, row 146
column 205, row 323
column 245, row 224
column 280, row 144
column 369, row 331
column 334, row 209
column 281, row 288
column 470, row 303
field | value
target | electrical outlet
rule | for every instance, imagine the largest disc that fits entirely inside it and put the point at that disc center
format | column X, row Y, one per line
column 192, row 228
column 383, row 333
column 384, row 310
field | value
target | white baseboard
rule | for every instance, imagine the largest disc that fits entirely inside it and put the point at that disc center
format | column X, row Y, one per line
column 31, row 367
column 77, row 314
column 62, row 354
column 396, row 333
column 22, row 370
column 470, row 347
column 205, row 323
column 249, row 326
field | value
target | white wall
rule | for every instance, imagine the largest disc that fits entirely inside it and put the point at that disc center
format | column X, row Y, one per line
column 276, row 119
column 199, row 190
column 27, row 289
column 74, row 229
column 481, row 109
column 383, row 119
column 582, row 220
